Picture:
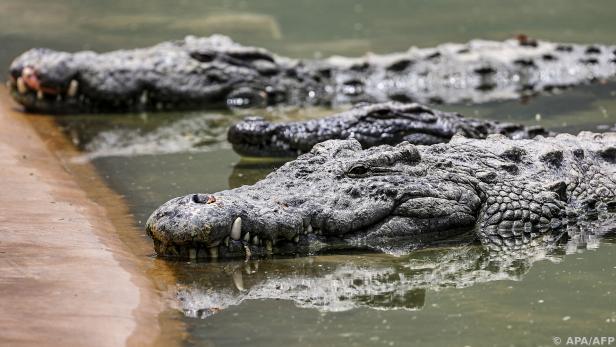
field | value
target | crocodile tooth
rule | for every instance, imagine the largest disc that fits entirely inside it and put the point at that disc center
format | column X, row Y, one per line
column 247, row 237
column 268, row 245
column 309, row 230
column 226, row 241
column 238, row 280
column 255, row 240
column 213, row 251
column 27, row 72
column 21, row 86
column 73, row 87
column 296, row 238
column 236, row 229
column 192, row 253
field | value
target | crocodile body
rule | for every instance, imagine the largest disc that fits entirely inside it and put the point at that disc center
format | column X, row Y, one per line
column 509, row 194
column 372, row 125
column 217, row 72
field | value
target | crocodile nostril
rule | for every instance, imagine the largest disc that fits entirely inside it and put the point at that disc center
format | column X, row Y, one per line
column 203, row 198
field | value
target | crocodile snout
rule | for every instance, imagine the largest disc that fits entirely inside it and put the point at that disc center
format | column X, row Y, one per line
column 212, row 226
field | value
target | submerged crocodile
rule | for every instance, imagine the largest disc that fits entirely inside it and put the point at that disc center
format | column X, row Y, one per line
column 217, row 72
column 372, row 125
column 507, row 193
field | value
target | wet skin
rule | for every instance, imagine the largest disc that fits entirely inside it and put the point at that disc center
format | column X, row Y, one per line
column 372, row 125
column 507, row 193
column 215, row 72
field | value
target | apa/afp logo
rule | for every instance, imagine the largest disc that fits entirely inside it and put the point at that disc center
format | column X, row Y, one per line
column 585, row 340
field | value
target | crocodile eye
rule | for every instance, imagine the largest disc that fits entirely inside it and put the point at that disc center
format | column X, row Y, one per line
column 358, row 170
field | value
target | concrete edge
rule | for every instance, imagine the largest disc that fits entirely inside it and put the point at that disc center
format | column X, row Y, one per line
column 68, row 277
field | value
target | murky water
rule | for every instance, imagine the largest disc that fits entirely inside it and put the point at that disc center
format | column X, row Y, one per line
column 449, row 296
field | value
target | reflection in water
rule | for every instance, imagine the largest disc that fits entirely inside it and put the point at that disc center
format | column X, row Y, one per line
column 201, row 132
column 163, row 133
column 344, row 282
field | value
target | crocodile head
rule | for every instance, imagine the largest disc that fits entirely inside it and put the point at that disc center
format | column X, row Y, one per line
column 336, row 197
column 372, row 125
column 184, row 74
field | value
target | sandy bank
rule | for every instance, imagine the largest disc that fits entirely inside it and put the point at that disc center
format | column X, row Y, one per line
column 66, row 276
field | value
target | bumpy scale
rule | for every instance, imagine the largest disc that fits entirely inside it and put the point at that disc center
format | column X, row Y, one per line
column 509, row 193
column 217, row 72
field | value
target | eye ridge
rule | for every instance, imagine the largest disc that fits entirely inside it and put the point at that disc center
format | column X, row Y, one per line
column 358, row 170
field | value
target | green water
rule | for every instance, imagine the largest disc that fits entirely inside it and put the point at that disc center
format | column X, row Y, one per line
column 443, row 297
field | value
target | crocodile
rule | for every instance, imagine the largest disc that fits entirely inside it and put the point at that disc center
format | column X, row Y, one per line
column 339, row 197
column 216, row 72
column 372, row 125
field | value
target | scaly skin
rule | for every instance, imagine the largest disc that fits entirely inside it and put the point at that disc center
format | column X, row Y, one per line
column 508, row 193
column 185, row 74
column 372, row 125
column 217, row 72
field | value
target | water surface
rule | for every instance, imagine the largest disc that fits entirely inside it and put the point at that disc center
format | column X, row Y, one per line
column 453, row 296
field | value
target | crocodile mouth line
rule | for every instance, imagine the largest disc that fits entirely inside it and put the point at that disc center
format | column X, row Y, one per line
column 248, row 244
column 73, row 96
column 28, row 84
column 267, row 148
column 262, row 150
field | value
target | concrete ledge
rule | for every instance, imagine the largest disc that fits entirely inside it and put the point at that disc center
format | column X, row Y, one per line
column 64, row 278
